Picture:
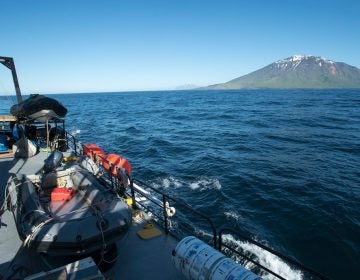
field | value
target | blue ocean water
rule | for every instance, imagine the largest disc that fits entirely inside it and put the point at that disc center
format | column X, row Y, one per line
column 284, row 166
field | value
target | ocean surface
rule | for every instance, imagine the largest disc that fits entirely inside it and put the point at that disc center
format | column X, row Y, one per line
column 284, row 166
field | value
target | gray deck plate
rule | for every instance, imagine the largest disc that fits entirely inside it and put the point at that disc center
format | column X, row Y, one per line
column 137, row 258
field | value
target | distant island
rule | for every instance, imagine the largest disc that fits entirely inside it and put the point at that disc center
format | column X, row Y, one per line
column 298, row 71
column 186, row 87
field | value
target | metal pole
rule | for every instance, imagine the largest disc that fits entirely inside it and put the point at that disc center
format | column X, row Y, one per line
column 67, row 139
column 74, row 142
column 111, row 174
column 165, row 215
column 132, row 193
column 47, row 136
column 9, row 63
column 16, row 82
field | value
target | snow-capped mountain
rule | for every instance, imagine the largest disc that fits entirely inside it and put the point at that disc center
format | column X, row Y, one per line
column 296, row 60
column 298, row 71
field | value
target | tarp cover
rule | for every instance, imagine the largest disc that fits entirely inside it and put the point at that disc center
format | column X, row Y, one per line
column 24, row 148
column 36, row 103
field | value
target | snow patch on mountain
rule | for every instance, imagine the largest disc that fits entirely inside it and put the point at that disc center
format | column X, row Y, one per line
column 297, row 57
column 294, row 61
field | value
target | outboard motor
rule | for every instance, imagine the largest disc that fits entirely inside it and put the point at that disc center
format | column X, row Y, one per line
column 53, row 161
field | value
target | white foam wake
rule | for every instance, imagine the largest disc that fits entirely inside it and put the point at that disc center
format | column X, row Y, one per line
column 233, row 215
column 206, row 183
column 75, row 132
column 171, row 182
column 201, row 184
column 266, row 259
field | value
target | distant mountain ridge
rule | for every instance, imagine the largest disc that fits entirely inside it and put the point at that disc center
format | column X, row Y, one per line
column 298, row 71
column 186, row 87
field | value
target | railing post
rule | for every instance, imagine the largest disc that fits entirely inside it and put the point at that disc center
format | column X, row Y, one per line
column 74, row 142
column 215, row 236
column 165, row 215
column 220, row 241
column 111, row 174
column 67, row 139
column 132, row 193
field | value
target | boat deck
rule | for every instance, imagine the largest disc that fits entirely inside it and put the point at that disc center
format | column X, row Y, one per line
column 137, row 258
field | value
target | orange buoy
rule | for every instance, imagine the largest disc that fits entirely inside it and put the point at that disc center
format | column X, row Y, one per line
column 117, row 161
column 94, row 152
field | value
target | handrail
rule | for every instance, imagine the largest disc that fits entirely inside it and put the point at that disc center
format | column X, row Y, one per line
column 279, row 255
column 166, row 197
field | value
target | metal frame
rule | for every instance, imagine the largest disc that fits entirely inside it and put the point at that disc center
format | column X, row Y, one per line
column 9, row 63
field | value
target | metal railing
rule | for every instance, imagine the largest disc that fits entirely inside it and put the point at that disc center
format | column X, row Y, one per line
column 157, row 202
column 72, row 143
column 178, row 224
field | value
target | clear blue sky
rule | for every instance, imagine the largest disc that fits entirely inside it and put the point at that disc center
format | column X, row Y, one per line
column 86, row 46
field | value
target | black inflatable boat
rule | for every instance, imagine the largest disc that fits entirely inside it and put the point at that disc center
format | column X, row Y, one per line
column 67, row 212
column 39, row 107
